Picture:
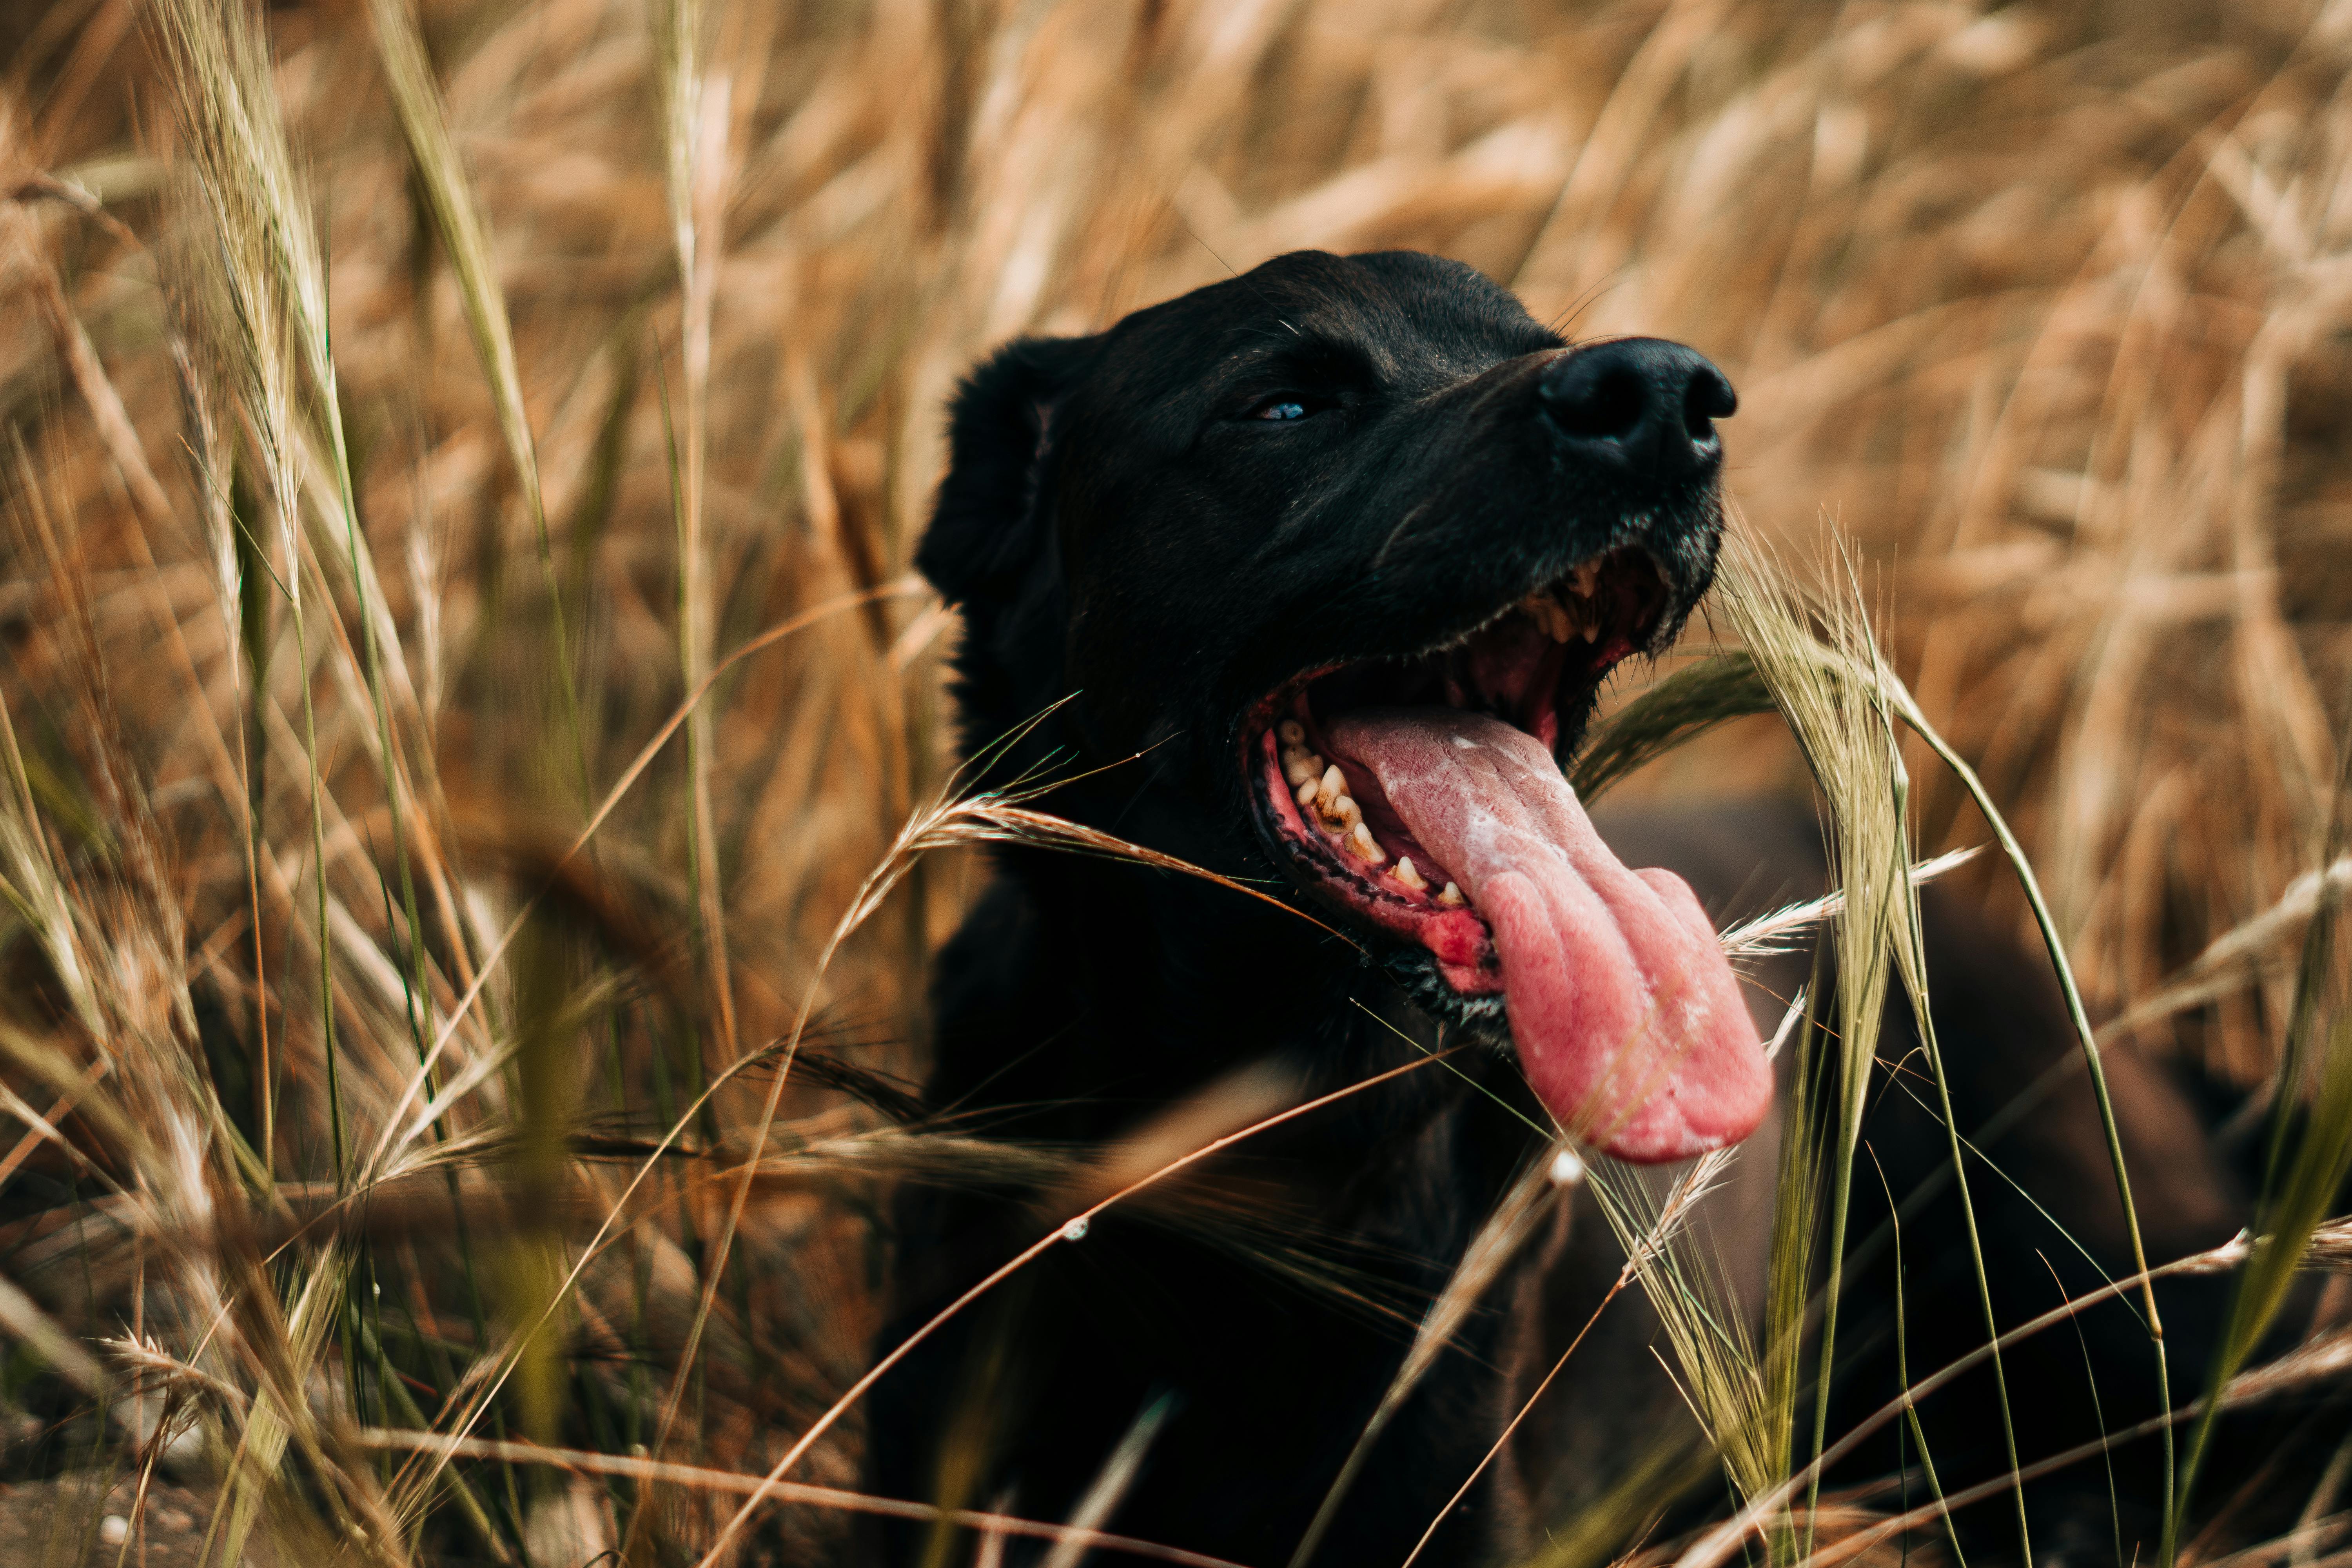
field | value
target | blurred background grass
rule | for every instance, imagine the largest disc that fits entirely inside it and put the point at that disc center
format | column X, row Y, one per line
column 565, row 347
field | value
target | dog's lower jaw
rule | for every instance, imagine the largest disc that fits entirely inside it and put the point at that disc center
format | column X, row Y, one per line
column 1415, row 972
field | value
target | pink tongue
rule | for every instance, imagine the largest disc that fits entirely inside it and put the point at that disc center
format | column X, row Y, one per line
column 1628, row 1020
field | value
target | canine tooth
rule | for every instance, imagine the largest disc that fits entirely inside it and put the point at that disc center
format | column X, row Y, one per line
column 1451, row 897
column 1409, row 876
column 1307, row 791
column 1291, row 732
column 1587, row 577
column 1334, row 785
column 1365, row 846
column 1592, row 634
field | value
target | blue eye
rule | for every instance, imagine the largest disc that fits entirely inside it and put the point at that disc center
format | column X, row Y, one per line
column 1279, row 408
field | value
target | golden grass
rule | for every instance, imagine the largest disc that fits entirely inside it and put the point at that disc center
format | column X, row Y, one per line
column 415, row 417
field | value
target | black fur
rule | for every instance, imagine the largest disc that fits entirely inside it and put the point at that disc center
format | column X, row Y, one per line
column 1120, row 536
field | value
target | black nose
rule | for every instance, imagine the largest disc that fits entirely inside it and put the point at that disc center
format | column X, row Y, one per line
column 1641, row 402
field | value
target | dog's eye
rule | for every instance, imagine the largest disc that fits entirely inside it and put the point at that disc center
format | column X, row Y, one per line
column 1283, row 405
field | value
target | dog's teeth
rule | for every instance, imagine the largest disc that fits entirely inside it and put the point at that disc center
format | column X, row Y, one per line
column 1333, row 785
column 1588, row 577
column 1556, row 619
column 1409, row 876
column 1451, row 897
column 1340, row 813
column 1291, row 732
column 1301, row 766
column 1366, row 846
column 1592, row 634
column 1307, row 791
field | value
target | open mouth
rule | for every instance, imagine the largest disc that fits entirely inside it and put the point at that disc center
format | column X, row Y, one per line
column 1537, row 665
column 1423, row 795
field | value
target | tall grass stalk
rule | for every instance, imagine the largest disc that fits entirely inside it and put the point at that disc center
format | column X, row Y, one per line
column 243, row 170
column 1523, row 1207
column 1070, row 1537
column 465, row 240
column 1720, row 1543
column 1680, row 709
column 2315, row 1364
column 695, row 122
column 1847, row 744
column 1729, row 1386
column 1719, row 1364
column 1723, row 1380
column 1899, row 698
column 280, row 283
column 1919, row 1433
column 2309, row 1152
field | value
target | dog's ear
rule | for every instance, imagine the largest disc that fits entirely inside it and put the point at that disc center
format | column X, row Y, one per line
column 989, row 530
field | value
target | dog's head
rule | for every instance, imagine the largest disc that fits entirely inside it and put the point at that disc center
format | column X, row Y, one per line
column 1346, row 545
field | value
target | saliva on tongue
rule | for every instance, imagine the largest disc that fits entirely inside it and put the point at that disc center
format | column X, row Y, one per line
column 1626, row 1014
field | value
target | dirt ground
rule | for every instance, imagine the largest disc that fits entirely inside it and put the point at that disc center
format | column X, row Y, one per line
column 51, row 1524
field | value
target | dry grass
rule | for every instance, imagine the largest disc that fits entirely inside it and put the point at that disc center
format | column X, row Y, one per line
column 405, row 413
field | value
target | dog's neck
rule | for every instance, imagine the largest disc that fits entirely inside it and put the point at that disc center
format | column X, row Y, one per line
column 1128, row 990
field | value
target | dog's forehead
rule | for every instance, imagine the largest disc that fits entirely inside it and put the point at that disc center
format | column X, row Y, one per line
column 1408, row 317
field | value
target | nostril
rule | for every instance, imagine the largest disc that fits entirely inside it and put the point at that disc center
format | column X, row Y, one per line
column 1605, row 405
column 1709, row 398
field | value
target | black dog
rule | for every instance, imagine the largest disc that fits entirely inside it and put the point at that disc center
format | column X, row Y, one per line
column 1329, row 561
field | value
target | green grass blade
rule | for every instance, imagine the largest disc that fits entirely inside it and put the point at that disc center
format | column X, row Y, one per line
column 1677, row 711
column 2309, row 1152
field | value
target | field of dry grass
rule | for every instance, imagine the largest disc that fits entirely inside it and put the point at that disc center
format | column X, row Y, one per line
column 411, row 411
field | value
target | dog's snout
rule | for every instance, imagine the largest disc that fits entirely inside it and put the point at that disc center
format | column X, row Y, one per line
column 1641, row 402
